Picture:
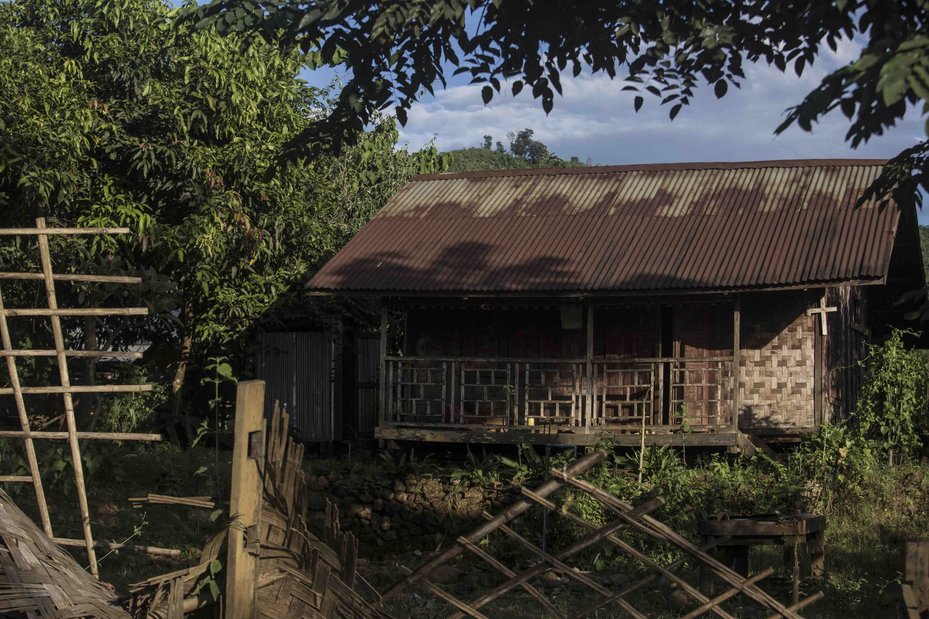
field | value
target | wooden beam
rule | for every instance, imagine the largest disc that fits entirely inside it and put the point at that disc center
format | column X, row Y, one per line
column 245, row 499
column 76, row 461
column 74, row 277
column 503, row 436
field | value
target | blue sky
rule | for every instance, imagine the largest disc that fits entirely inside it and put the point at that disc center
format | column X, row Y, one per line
column 595, row 119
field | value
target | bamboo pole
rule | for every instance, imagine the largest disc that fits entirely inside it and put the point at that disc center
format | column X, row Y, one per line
column 93, row 436
column 150, row 550
column 508, row 573
column 514, row 510
column 815, row 597
column 70, row 389
column 448, row 597
column 77, row 311
column 42, row 232
column 579, row 545
column 31, row 458
column 725, row 595
column 657, row 529
column 116, row 354
column 75, row 449
column 73, row 277
column 635, row 586
column 15, row 479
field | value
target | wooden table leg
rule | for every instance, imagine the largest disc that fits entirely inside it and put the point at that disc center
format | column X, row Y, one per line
column 740, row 559
column 816, row 543
column 706, row 576
column 792, row 565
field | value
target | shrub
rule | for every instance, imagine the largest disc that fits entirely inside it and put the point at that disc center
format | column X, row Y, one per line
column 893, row 401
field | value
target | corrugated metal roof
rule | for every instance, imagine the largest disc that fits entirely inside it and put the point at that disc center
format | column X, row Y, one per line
column 678, row 227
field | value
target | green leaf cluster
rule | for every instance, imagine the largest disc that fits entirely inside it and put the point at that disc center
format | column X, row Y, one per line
column 396, row 51
column 112, row 113
column 893, row 405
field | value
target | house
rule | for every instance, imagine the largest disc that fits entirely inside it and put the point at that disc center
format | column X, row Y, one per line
column 693, row 304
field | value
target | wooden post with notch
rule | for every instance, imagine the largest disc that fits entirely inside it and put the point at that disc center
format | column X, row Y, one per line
column 245, row 501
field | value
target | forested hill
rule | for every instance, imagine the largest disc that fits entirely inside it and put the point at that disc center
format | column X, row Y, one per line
column 522, row 152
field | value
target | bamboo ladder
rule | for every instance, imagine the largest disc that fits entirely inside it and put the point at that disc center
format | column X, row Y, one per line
column 61, row 355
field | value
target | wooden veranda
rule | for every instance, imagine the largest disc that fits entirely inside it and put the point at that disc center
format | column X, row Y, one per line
column 677, row 395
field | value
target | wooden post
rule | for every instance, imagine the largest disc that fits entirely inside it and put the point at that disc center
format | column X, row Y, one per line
column 245, row 500
column 736, row 361
column 590, row 364
column 383, row 386
column 70, row 422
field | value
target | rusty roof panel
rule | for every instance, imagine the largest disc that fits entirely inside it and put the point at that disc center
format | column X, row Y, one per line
column 678, row 227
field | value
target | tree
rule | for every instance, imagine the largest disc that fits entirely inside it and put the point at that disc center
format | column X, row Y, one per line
column 113, row 114
column 524, row 153
column 397, row 50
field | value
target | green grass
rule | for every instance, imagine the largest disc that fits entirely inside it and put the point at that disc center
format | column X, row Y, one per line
column 868, row 523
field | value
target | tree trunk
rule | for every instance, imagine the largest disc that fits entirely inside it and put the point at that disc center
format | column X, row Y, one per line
column 88, row 403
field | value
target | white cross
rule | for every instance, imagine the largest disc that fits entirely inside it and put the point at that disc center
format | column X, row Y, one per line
column 822, row 310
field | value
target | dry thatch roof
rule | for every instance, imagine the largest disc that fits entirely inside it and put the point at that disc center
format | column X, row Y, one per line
column 39, row 579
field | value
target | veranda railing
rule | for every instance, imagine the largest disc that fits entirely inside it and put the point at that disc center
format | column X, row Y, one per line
column 613, row 394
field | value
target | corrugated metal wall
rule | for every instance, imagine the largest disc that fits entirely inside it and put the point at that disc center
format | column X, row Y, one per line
column 303, row 371
column 367, row 368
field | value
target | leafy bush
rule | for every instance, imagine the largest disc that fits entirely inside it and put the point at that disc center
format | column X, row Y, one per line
column 893, row 402
column 129, row 412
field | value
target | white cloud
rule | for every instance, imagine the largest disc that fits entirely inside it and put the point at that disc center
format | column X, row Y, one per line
column 595, row 118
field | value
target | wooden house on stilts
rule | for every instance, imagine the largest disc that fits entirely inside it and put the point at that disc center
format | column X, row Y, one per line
column 699, row 303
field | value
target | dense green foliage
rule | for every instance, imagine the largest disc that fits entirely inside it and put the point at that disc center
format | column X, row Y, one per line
column 893, row 406
column 395, row 51
column 523, row 152
column 111, row 113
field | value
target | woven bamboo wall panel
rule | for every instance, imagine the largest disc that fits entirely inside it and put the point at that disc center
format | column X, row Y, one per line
column 777, row 369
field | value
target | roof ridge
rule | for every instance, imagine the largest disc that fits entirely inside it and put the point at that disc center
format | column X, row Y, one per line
column 654, row 167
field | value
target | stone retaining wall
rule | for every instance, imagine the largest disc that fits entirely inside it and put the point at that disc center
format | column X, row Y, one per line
column 385, row 510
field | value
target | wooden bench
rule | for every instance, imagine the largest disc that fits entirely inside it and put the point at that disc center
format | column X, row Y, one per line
column 734, row 537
